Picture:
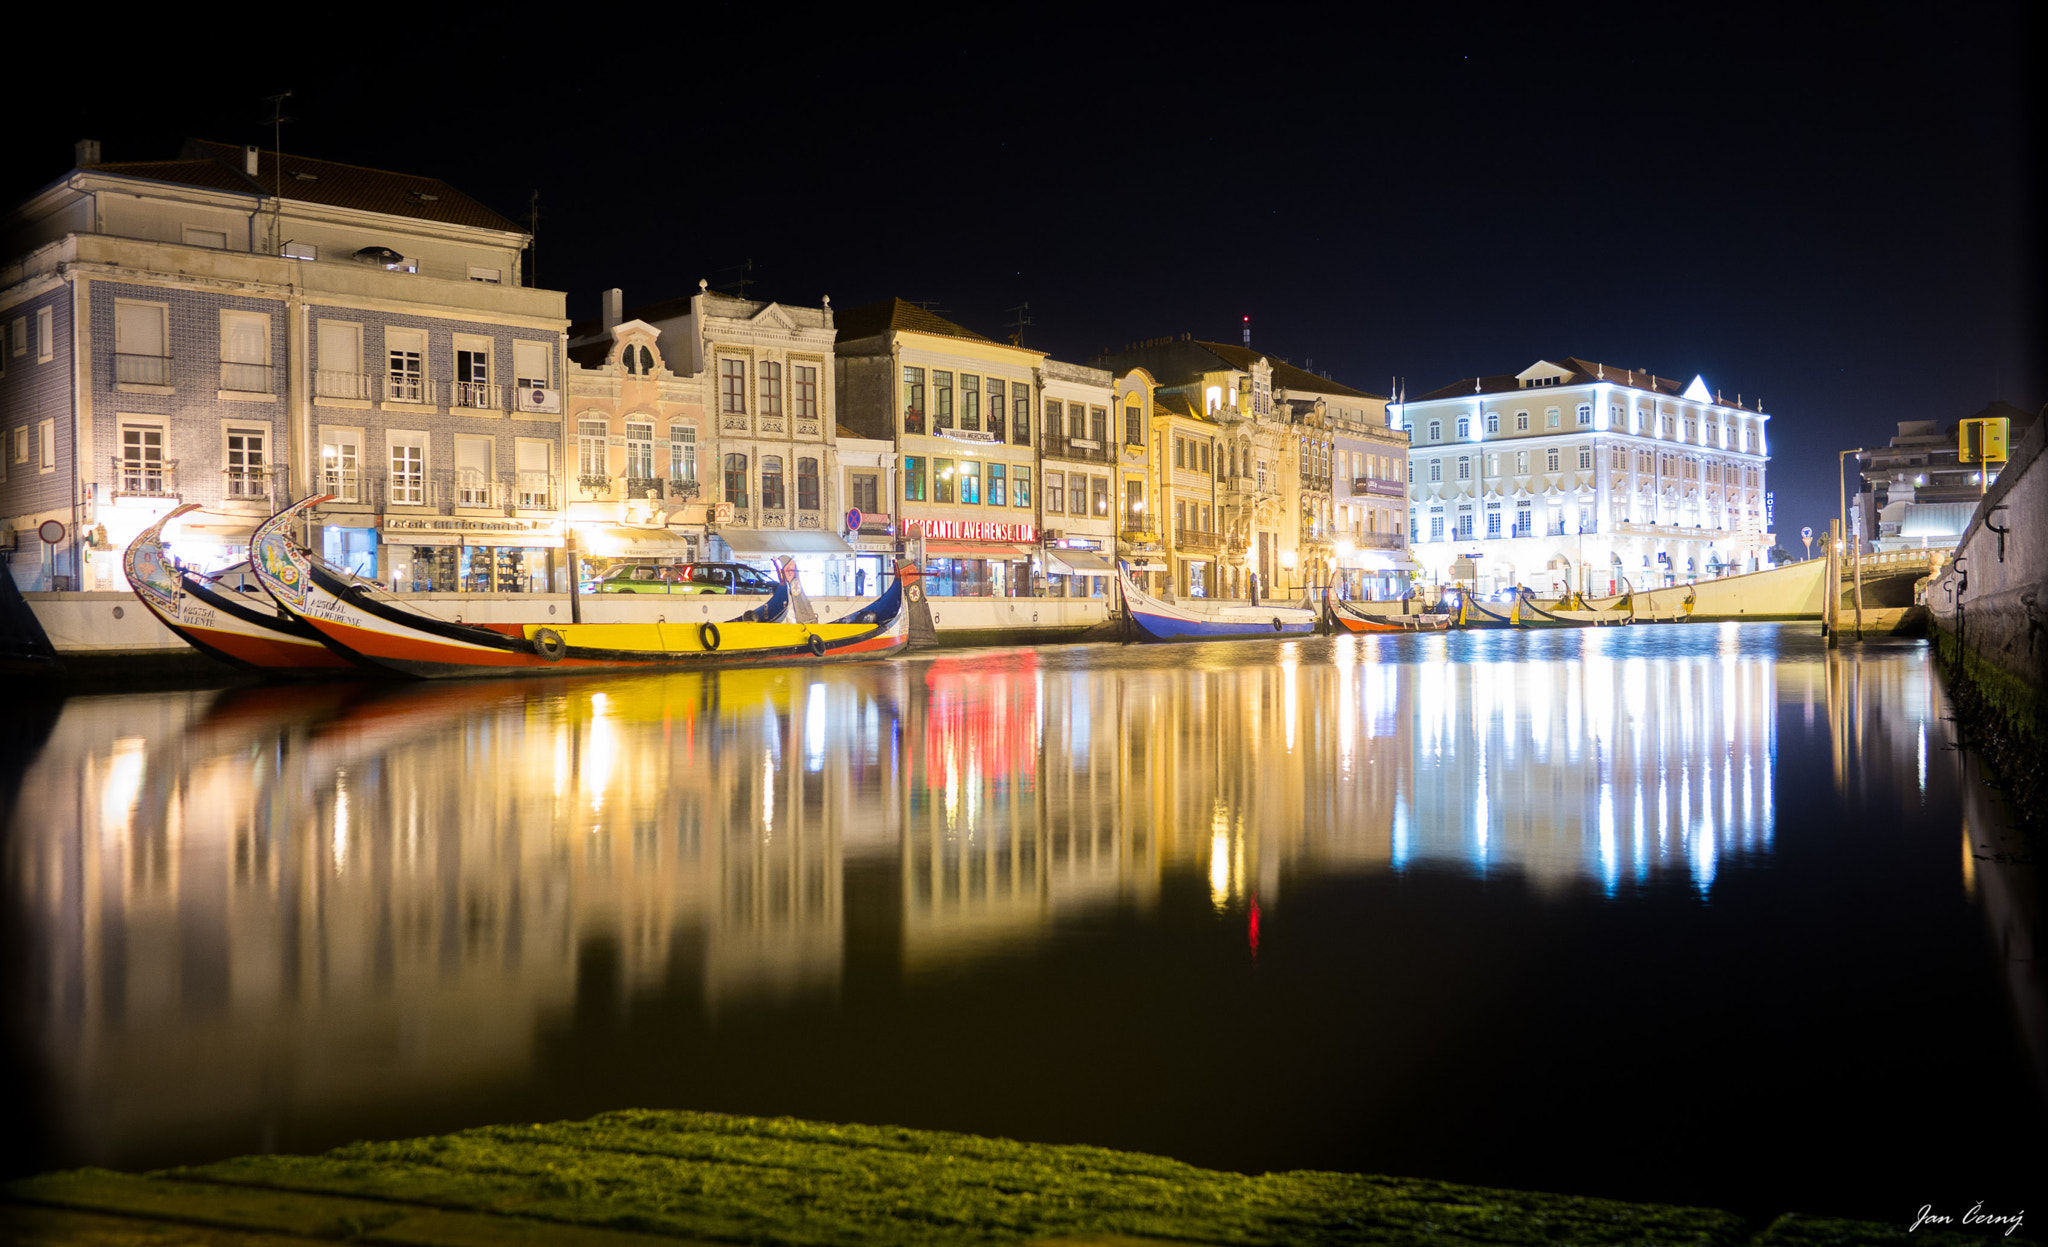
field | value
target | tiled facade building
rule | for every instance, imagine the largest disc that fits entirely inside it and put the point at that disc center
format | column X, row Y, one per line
column 240, row 329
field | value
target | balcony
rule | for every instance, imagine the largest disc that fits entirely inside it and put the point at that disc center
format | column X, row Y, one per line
column 344, row 484
column 685, row 488
column 142, row 369
column 1376, row 541
column 640, row 487
column 328, row 383
column 913, row 420
column 245, row 485
column 595, row 484
column 478, row 395
column 247, row 378
column 1079, row 449
column 475, row 489
column 145, row 478
column 405, row 387
column 1196, row 539
column 535, row 491
column 1137, row 532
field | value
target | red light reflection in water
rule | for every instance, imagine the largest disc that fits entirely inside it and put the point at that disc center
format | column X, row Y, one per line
column 1252, row 930
column 983, row 714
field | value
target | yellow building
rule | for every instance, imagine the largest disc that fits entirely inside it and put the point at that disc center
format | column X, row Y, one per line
column 1188, row 448
column 637, row 431
column 962, row 412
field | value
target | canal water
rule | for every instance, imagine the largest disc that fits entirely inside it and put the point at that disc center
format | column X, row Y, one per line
column 1701, row 914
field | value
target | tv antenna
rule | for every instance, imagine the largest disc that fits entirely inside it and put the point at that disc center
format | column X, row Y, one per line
column 533, row 238
column 738, row 285
column 1018, row 320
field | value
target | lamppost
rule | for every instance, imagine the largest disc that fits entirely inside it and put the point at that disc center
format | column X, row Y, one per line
column 1852, row 546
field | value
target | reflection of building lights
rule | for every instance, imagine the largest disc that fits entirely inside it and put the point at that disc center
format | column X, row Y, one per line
column 340, row 821
column 600, row 752
column 123, row 784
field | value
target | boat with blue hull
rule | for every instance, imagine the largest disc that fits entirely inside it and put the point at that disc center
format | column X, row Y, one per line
column 1155, row 620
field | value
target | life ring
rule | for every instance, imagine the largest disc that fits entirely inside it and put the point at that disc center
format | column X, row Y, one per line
column 549, row 644
column 707, row 635
column 914, row 593
column 817, row 644
column 1276, row 624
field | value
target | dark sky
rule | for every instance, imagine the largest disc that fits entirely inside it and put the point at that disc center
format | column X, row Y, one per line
column 1829, row 206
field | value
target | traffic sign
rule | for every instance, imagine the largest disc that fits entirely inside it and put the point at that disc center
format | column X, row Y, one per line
column 51, row 531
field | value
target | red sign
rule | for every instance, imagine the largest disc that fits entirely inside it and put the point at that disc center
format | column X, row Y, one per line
column 970, row 530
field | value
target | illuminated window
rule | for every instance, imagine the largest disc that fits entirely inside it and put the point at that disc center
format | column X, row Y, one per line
column 913, row 478
column 998, row 482
column 970, row 402
column 913, row 400
column 942, row 399
column 1020, row 485
column 942, row 480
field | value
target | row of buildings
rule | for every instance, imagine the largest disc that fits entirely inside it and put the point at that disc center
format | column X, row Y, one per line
column 238, row 328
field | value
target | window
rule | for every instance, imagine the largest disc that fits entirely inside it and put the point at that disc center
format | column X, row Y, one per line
column 409, row 469
column 1020, row 405
column 806, row 484
column 406, row 352
column 803, row 391
column 1525, row 521
column 1436, row 430
column 1585, row 415
column 1134, row 425
column 1204, row 446
column 591, row 460
column 338, row 370
column 1077, row 422
column 913, row 478
column 1521, row 463
column 341, row 462
column 245, row 463
column 970, row 402
column 1464, row 426
column 1056, row 492
column 1436, row 469
column 913, row 401
column 682, row 452
column 1134, row 504
column 970, row 482
column 1464, row 528
column 1552, row 419
column 1550, row 459
column 299, row 251
column 772, row 496
column 530, row 365
column 998, row 495
column 489, row 276
column 1585, row 458
column 473, row 483
column 1020, row 485
column 866, row 491
column 1521, row 422
column 473, row 373
column 195, row 236
column 771, row 388
column 1493, row 422
column 1098, row 489
column 639, row 452
column 142, row 456
column 46, row 338
column 1436, row 528
column 21, row 444
column 942, row 399
column 1180, row 446
column 1056, row 417
column 1617, row 459
column 1492, row 524
column 245, row 352
column 1464, row 467
column 534, row 462
column 732, row 388
column 1098, row 425
column 141, row 343
column 736, row 477
column 942, row 480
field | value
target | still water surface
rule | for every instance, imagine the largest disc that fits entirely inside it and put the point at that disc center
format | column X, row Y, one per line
column 1700, row 914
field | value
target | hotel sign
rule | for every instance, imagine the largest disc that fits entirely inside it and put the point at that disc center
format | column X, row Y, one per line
column 969, row 530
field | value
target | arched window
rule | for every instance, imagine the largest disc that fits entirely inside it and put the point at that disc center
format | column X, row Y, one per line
column 1464, row 468
column 1436, row 469
column 1493, row 422
column 1436, row 430
column 772, row 497
column 1521, row 422
column 1464, row 426
column 736, row 480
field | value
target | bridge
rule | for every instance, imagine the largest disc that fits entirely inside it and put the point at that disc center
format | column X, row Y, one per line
column 1797, row 591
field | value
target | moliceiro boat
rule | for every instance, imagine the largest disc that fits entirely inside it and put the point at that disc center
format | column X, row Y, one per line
column 1351, row 618
column 1207, row 621
column 249, row 633
column 380, row 630
column 1522, row 612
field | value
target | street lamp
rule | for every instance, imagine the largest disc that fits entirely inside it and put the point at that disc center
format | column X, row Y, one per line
column 1855, row 551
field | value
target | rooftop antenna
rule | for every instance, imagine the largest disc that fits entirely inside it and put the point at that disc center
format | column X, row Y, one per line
column 1018, row 320
column 277, row 124
column 738, row 285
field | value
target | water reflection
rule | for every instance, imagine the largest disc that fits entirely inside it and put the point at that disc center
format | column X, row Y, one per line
column 294, row 903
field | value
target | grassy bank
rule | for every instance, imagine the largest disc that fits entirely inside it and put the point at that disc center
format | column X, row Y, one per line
column 650, row 1177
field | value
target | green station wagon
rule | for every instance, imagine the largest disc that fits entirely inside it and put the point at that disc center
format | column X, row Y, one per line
column 685, row 578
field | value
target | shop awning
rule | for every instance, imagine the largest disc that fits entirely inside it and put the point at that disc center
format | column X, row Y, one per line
column 974, row 550
column 1080, row 563
column 755, row 542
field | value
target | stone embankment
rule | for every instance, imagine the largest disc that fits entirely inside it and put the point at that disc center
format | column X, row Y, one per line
column 657, row 1179
column 1990, row 611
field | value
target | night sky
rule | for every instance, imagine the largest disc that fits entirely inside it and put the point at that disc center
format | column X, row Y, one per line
column 1828, row 206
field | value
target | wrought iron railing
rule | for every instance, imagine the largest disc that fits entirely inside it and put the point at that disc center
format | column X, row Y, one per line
column 1196, row 539
column 245, row 484
column 142, row 369
column 405, row 387
column 345, row 484
column 145, row 478
column 535, row 491
column 478, row 394
column 638, row 487
column 247, row 378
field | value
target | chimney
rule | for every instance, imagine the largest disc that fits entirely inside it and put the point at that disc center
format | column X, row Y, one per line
column 86, row 152
column 249, row 160
column 614, row 308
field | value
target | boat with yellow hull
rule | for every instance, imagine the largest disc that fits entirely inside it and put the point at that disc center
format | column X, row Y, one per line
column 377, row 629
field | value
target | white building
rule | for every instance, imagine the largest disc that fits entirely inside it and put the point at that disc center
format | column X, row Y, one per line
column 1574, row 474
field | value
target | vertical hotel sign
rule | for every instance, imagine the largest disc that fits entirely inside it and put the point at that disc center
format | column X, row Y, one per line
column 971, row 530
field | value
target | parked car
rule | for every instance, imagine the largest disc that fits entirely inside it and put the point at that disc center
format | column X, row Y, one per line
column 685, row 578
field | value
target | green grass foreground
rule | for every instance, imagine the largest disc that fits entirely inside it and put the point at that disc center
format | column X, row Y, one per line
column 642, row 1177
